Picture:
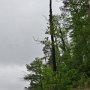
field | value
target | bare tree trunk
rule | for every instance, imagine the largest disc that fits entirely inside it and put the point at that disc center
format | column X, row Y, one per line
column 52, row 38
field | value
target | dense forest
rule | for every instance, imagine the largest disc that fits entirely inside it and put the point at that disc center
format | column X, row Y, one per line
column 66, row 61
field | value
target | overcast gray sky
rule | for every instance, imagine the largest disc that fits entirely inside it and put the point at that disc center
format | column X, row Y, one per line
column 20, row 21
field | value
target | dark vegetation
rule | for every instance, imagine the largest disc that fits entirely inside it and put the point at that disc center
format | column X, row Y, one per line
column 66, row 61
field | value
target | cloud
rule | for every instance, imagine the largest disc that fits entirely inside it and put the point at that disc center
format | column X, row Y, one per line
column 11, row 77
column 20, row 20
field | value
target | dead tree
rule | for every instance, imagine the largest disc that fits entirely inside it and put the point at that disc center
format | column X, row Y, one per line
column 53, row 54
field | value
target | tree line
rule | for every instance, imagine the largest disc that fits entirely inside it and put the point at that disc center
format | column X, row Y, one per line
column 66, row 61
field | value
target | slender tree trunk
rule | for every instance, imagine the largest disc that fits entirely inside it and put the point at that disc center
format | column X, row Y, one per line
column 52, row 37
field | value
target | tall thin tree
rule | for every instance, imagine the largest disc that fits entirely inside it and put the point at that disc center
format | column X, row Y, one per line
column 52, row 37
